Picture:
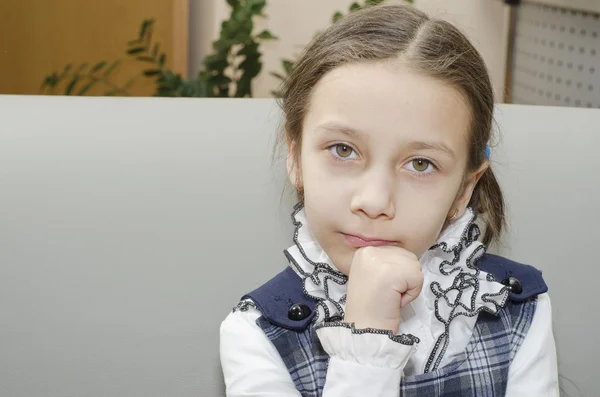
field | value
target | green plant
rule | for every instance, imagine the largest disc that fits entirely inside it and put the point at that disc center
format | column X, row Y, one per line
column 229, row 70
column 236, row 48
column 288, row 64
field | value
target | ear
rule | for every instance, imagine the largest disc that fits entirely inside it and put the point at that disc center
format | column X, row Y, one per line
column 292, row 167
column 468, row 186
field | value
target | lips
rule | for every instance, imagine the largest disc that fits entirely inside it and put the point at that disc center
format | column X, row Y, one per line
column 362, row 241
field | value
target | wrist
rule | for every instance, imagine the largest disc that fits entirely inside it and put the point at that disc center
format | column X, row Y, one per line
column 391, row 325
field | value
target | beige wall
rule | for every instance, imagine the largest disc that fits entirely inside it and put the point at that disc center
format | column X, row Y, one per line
column 296, row 21
column 486, row 25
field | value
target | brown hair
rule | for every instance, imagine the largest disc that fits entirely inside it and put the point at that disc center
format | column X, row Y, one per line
column 433, row 47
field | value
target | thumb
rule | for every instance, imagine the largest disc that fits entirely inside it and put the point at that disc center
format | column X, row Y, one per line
column 409, row 296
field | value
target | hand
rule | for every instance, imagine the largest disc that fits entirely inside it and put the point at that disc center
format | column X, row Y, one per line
column 381, row 281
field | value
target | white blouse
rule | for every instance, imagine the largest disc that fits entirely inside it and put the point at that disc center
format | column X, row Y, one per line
column 373, row 364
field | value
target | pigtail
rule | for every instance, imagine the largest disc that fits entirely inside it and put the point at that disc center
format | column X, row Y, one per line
column 488, row 200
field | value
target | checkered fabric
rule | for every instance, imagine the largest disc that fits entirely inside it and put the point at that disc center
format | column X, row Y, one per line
column 481, row 370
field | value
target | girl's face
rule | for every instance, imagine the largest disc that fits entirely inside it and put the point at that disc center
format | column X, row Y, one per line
column 383, row 157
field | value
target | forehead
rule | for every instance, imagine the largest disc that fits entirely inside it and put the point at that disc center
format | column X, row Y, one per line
column 390, row 103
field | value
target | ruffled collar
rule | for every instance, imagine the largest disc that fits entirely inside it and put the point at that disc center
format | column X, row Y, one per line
column 322, row 281
column 455, row 287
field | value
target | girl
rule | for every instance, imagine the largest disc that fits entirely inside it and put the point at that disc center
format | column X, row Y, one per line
column 387, row 118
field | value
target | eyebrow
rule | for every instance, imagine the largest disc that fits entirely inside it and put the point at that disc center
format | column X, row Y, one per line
column 412, row 145
column 344, row 129
column 439, row 146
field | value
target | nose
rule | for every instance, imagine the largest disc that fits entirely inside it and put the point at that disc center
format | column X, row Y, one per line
column 374, row 195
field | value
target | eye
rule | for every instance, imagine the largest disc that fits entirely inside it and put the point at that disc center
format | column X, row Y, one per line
column 341, row 150
column 421, row 166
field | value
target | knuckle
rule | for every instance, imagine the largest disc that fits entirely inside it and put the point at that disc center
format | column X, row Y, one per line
column 414, row 261
column 387, row 268
column 360, row 254
column 365, row 250
column 371, row 253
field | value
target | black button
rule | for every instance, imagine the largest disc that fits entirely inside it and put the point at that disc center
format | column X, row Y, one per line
column 514, row 285
column 298, row 312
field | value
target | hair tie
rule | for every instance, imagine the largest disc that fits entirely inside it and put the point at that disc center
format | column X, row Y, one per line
column 488, row 152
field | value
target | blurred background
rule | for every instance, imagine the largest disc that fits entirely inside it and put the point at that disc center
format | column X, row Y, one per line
column 538, row 52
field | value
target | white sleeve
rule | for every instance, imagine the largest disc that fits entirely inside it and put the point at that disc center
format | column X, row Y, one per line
column 250, row 362
column 534, row 371
column 253, row 367
column 364, row 362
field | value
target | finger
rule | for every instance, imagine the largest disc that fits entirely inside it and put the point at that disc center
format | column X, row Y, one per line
column 390, row 252
column 406, row 299
column 413, row 285
column 411, row 294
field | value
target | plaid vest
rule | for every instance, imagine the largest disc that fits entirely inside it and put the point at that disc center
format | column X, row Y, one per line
column 481, row 370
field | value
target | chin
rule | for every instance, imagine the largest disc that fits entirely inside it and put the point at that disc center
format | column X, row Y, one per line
column 342, row 259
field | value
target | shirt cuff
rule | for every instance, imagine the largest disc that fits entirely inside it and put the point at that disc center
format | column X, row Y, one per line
column 368, row 346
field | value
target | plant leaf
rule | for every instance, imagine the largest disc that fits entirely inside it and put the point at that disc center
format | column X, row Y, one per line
column 71, row 85
column 244, row 87
column 130, row 82
column 162, row 60
column 111, row 67
column 133, row 42
column 146, row 59
column 220, row 80
column 144, row 28
column 50, row 81
column 98, row 66
column 136, row 50
column 355, row 7
column 336, row 17
column 164, row 92
column 155, row 50
column 256, row 6
column 221, row 46
column 249, row 49
column 53, row 79
column 277, row 75
column 217, row 65
column 266, row 35
column 252, row 67
column 64, row 72
column 215, row 57
column 86, row 87
column 149, row 36
column 287, row 65
column 170, row 80
column 110, row 93
column 152, row 72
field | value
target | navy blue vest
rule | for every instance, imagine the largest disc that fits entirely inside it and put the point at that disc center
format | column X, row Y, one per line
column 482, row 369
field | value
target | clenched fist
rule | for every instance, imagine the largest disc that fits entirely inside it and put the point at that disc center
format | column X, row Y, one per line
column 381, row 281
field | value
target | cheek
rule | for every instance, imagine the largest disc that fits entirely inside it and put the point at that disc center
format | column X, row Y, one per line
column 421, row 214
column 321, row 183
column 326, row 204
column 321, row 220
column 429, row 231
